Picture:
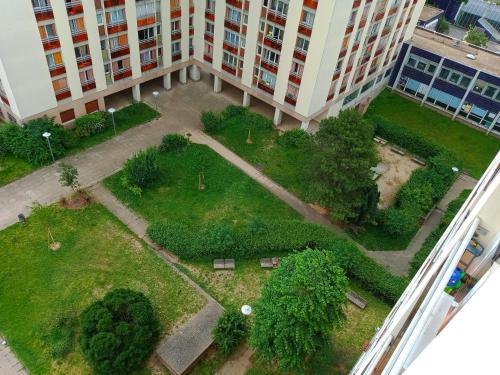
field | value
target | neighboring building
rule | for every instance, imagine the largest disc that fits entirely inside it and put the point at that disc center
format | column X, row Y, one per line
column 457, row 78
column 446, row 321
column 429, row 17
column 306, row 58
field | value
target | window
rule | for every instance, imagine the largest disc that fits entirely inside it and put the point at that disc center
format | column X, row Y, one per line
column 490, row 91
column 86, row 76
column 231, row 38
column 465, row 81
column 40, row 3
column 374, row 29
column 268, row 78
column 261, row 26
column 443, row 74
column 116, row 16
column 431, row 68
column 175, row 26
column 233, row 15
column 302, row 44
column 176, row 48
column 479, row 87
column 275, row 32
column 76, row 25
column 352, row 18
column 148, row 57
column 209, row 28
column 100, row 18
column 421, row 65
column 211, row 5
column 229, row 59
column 271, row 56
column 454, row 77
column 297, row 69
column 349, row 98
column 146, row 34
column 307, row 18
column 412, row 62
column 54, row 59
column 279, row 6
column 118, row 42
column 82, row 52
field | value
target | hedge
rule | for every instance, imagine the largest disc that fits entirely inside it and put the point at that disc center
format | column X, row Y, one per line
column 92, row 123
column 433, row 238
column 259, row 238
column 215, row 122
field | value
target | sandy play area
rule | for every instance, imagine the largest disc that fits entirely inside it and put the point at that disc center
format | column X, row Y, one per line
column 398, row 169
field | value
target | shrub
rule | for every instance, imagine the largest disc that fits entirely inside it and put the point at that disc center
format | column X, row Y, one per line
column 399, row 222
column 174, row 143
column 60, row 338
column 8, row 133
column 230, row 331
column 142, row 169
column 91, row 123
column 212, row 122
column 118, row 332
column 294, row 138
column 234, row 110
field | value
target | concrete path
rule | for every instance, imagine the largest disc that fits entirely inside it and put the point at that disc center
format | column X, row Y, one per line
column 238, row 363
column 399, row 261
column 9, row 365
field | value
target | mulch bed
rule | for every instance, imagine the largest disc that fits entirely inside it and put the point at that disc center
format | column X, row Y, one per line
column 76, row 201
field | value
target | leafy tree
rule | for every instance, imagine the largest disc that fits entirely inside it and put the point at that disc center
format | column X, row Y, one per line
column 342, row 154
column 442, row 26
column 368, row 210
column 174, row 143
column 474, row 36
column 69, row 176
column 118, row 332
column 230, row 330
column 303, row 300
column 142, row 169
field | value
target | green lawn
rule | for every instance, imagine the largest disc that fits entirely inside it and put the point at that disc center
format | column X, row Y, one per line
column 374, row 238
column 282, row 164
column 229, row 196
column 473, row 147
column 97, row 254
column 12, row 168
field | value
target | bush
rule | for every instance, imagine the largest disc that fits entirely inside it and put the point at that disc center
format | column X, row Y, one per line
column 212, row 122
column 142, row 169
column 60, row 338
column 119, row 332
column 234, row 110
column 264, row 239
column 294, row 138
column 174, row 143
column 230, row 331
column 91, row 123
column 8, row 133
column 400, row 222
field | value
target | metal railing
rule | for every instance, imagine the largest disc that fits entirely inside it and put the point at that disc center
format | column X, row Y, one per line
column 42, row 9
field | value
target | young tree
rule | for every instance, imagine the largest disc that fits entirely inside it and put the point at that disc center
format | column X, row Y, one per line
column 143, row 169
column 69, row 176
column 303, row 300
column 442, row 26
column 342, row 153
column 474, row 36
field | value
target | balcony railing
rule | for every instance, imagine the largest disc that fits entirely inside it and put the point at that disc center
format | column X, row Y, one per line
column 51, row 42
column 62, row 93
column 43, row 13
column 300, row 54
column 295, row 77
column 269, row 65
column 122, row 73
column 272, row 42
column 230, row 68
column 74, row 7
column 120, row 50
column 232, row 24
column 113, row 3
column 88, row 85
column 210, row 14
column 117, row 26
column 276, row 17
column 79, row 36
column 176, row 34
column 305, row 28
column 148, row 65
column 176, row 55
column 147, row 43
column 84, row 61
column 265, row 87
column 291, row 98
column 207, row 58
column 56, row 70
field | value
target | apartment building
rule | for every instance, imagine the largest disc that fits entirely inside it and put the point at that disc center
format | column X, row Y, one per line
column 451, row 76
column 306, row 58
column 446, row 321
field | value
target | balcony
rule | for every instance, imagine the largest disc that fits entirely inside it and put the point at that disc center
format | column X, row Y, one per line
column 235, row 3
column 356, row 4
column 122, row 73
column 120, row 51
column 83, row 61
column 209, row 14
column 176, row 56
column 147, row 43
column 4, row 99
column 230, row 47
column 300, row 54
column 148, row 19
column 349, row 29
column 305, row 29
column 62, row 94
column 175, row 12
column 265, row 87
column 209, row 37
column 79, row 36
column 74, row 7
column 386, row 31
column 312, row 4
column 272, row 42
column 295, row 78
column 229, row 68
column 117, row 26
column 208, row 58
column 291, row 98
column 43, row 13
column 379, row 16
column 148, row 65
column 355, row 47
column 276, row 17
column 270, row 66
column 176, row 34
column 88, row 85
column 113, row 3
column 57, row 70
column 232, row 24
column 336, row 76
column 393, row 10
column 51, row 42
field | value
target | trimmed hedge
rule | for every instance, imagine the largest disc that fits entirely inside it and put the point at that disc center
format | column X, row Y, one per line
column 214, row 122
column 433, row 238
column 263, row 239
column 92, row 123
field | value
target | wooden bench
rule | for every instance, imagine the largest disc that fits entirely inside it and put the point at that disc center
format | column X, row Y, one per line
column 356, row 300
column 382, row 141
column 398, row 150
column 269, row 262
column 224, row 264
column 419, row 160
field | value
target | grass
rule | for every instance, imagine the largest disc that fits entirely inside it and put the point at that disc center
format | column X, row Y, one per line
column 374, row 238
column 12, row 168
column 229, row 196
column 280, row 163
column 474, row 148
column 97, row 254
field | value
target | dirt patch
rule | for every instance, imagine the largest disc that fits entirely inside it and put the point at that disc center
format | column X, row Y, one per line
column 399, row 170
column 238, row 363
column 320, row 209
column 76, row 201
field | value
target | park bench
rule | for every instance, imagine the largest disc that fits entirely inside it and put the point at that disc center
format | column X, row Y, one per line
column 398, row 150
column 419, row 160
column 224, row 264
column 269, row 262
column 382, row 141
column 356, row 299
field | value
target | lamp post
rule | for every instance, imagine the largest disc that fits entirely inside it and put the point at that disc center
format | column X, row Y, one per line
column 156, row 94
column 112, row 111
column 47, row 135
column 246, row 310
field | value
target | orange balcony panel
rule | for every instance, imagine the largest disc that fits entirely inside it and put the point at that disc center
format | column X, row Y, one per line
column 235, row 3
column 399, row 24
column 379, row 16
column 272, row 43
column 57, row 71
column 191, row 10
column 121, row 52
column 362, row 23
column 191, row 31
column 43, row 15
column 247, row 5
column 269, row 67
column 113, row 3
column 342, row 53
column 293, row 78
column 379, row 51
column 355, row 48
column 176, row 36
column 228, row 69
column 75, row 8
column 336, row 76
column 242, row 52
column 84, row 63
column 290, row 100
column 191, row 51
column 231, row 26
column 88, row 86
column 102, row 30
column 151, row 65
column 51, row 44
column 146, row 21
column 342, row 89
column 349, row 29
column 244, row 29
column 386, row 31
column 265, row 88
column 313, row 4
column 305, row 30
column 207, row 58
column 210, row 16
column 122, row 75
column 276, row 18
column 4, row 99
column 209, row 38
column 229, row 48
column 63, row 95
column 299, row 55
column 330, row 96
column 393, row 10
column 117, row 28
column 407, row 21
column 348, row 69
column 175, row 13
column 356, row 4
column 148, row 44
column 372, row 39
column 359, row 79
column 176, row 57
column 82, row 37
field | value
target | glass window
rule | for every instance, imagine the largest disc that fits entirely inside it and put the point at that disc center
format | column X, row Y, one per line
column 454, row 77
column 412, row 62
column 465, row 81
column 490, row 91
column 444, row 73
column 479, row 87
column 421, row 65
column 431, row 68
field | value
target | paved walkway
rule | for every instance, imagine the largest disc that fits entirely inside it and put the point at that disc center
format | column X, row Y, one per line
column 9, row 365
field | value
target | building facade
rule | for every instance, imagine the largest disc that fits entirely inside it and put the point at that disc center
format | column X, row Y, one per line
column 451, row 76
column 306, row 58
column 446, row 321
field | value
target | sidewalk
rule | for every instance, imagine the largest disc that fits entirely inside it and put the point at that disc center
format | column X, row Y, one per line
column 9, row 365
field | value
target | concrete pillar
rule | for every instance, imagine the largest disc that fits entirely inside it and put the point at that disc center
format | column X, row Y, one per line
column 183, row 76
column 101, row 103
column 278, row 116
column 194, row 73
column 246, row 99
column 136, row 93
column 217, row 84
column 167, row 81
column 497, row 117
column 304, row 125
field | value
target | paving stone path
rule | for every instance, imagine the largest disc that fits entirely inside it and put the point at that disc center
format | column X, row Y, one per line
column 9, row 364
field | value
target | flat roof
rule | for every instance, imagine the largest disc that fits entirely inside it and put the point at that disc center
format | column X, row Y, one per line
column 428, row 13
column 455, row 50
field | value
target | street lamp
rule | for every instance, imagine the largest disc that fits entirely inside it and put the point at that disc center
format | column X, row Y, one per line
column 246, row 310
column 47, row 135
column 156, row 94
column 112, row 111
